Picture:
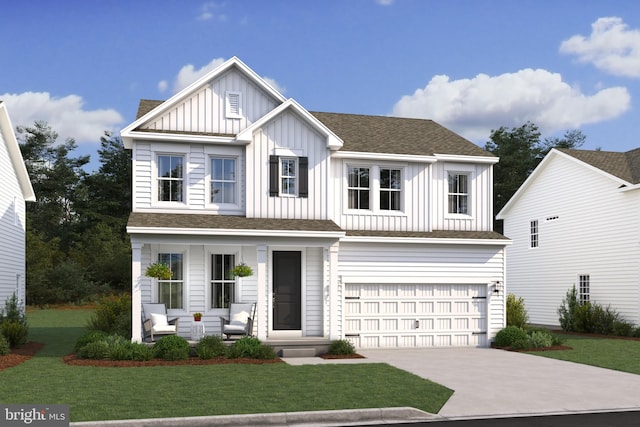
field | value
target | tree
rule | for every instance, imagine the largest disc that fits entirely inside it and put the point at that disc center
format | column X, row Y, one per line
column 521, row 150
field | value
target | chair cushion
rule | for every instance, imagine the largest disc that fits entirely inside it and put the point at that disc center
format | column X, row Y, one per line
column 163, row 328
column 159, row 320
column 239, row 315
column 234, row 329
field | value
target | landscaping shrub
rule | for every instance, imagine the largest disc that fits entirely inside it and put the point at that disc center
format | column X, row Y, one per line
column 210, row 347
column 622, row 328
column 510, row 335
column 341, row 347
column 4, row 346
column 120, row 348
column 13, row 311
column 14, row 332
column 141, row 352
column 89, row 337
column 171, row 347
column 113, row 315
column 566, row 311
column 516, row 313
column 250, row 347
column 540, row 339
column 96, row 350
column 520, row 344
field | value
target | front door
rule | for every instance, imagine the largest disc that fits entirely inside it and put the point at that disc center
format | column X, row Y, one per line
column 287, row 293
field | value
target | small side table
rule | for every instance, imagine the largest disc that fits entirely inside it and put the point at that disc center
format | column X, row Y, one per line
column 197, row 330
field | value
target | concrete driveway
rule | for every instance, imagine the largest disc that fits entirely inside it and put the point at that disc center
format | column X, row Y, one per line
column 490, row 382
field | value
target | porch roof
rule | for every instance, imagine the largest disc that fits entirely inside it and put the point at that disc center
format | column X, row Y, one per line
column 143, row 222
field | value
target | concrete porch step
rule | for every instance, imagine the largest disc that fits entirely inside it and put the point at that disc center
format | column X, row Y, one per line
column 299, row 352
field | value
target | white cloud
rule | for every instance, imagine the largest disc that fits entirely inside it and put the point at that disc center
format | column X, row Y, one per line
column 611, row 47
column 385, row 2
column 189, row 74
column 66, row 115
column 207, row 12
column 472, row 107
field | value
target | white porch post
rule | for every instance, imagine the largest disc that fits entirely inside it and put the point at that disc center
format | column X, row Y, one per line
column 336, row 298
column 262, row 305
column 136, row 293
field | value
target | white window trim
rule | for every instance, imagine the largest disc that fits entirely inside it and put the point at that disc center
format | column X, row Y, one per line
column 531, row 234
column 402, row 191
column 154, row 186
column 470, row 193
column 581, row 287
column 222, row 250
column 296, row 176
column 208, row 178
column 229, row 111
column 374, row 190
column 164, row 249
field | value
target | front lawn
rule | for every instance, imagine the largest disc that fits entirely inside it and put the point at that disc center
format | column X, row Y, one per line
column 611, row 353
column 178, row 391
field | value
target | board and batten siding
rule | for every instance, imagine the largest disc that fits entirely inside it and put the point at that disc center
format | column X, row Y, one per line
column 204, row 110
column 587, row 226
column 287, row 135
column 12, row 230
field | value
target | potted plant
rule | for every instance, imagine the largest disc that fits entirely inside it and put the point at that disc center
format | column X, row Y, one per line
column 242, row 270
column 158, row 270
column 197, row 316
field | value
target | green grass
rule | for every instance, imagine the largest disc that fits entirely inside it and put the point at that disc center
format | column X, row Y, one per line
column 157, row 392
column 611, row 353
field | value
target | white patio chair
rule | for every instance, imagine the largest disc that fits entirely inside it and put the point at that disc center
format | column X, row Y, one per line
column 240, row 320
column 155, row 321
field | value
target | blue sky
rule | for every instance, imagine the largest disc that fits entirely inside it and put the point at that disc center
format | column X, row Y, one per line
column 471, row 65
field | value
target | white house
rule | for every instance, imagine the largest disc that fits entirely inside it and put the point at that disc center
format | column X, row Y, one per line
column 15, row 190
column 377, row 229
column 576, row 221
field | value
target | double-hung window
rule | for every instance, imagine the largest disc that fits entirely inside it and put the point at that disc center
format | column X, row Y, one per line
column 222, row 280
column 458, row 193
column 390, row 189
column 171, row 292
column 223, row 180
column 170, row 178
column 358, row 188
column 583, row 288
column 288, row 176
column 534, row 234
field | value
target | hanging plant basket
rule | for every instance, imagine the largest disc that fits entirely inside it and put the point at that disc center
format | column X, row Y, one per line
column 159, row 271
column 242, row 270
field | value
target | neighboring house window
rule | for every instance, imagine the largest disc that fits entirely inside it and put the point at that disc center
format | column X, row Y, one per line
column 458, row 193
column 390, row 189
column 288, row 176
column 534, row 233
column 233, row 109
column 358, row 188
column 171, row 292
column 583, row 291
column 223, row 180
column 170, row 178
column 222, row 280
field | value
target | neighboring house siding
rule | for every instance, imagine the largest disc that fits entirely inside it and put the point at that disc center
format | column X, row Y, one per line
column 313, row 292
column 204, row 111
column 12, row 229
column 586, row 226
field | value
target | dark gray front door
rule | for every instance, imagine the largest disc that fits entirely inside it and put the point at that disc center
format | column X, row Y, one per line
column 287, row 293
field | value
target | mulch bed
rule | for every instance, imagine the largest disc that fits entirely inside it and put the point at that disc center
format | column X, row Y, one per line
column 20, row 354
column 342, row 356
column 192, row 361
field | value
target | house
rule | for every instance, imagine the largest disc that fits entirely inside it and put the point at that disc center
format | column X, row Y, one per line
column 374, row 229
column 15, row 190
column 576, row 221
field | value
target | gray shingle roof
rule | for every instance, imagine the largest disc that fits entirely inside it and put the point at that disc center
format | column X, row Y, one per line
column 436, row 234
column 625, row 165
column 382, row 134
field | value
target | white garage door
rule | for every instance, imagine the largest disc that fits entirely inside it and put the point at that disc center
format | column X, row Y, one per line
column 415, row 315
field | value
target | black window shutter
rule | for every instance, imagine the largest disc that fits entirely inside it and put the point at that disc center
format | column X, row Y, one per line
column 303, row 165
column 274, row 188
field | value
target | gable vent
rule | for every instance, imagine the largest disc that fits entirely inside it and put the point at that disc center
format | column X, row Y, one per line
column 233, row 105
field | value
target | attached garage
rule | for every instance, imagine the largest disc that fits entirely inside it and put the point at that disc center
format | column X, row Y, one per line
column 415, row 315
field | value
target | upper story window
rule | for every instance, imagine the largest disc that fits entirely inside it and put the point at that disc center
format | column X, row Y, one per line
column 171, row 292
column 170, row 178
column 390, row 189
column 458, row 193
column 288, row 176
column 233, row 105
column 583, row 291
column 358, row 188
column 534, row 234
column 223, row 180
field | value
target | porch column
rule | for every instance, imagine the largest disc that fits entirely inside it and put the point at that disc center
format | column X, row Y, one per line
column 336, row 297
column 136, row 293
column 262, row 305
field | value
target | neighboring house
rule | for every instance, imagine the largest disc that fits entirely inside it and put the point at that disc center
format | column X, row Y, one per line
column 15, row 190
column 377, row 229
column 576, row 221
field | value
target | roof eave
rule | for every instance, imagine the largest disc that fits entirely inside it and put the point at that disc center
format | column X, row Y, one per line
column 234, row 232
column 15, row 155
column 426, row 240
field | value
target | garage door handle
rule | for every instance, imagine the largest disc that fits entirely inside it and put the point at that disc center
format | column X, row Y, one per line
column 478, row 297
column 351, row 297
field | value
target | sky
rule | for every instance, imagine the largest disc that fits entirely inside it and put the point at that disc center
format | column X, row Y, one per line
column 470, row 65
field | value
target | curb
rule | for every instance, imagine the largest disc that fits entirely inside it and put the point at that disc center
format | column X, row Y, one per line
column 325, row 418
